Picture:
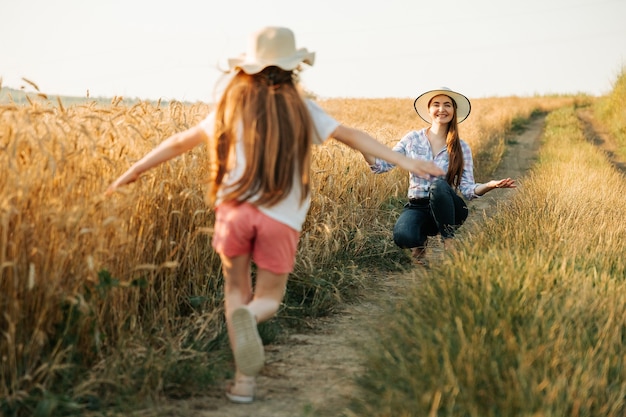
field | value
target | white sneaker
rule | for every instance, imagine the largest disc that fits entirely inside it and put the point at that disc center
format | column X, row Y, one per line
column 243, row 390
column 249, row 353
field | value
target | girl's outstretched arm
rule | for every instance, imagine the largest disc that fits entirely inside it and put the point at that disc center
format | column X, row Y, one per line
column 371, row 148
column 171, row 147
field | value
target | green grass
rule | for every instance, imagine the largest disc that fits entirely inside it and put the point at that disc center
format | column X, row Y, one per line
column 528, row 317
column 612, row 112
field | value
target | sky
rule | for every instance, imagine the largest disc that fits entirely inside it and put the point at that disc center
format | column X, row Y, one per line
column 153, row 49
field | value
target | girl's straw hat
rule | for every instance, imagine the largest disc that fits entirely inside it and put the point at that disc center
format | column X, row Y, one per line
column 271, row 46
column 463, row 106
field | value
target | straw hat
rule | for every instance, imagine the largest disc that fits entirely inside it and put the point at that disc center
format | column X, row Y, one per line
column 463, row 106
column 271, row 46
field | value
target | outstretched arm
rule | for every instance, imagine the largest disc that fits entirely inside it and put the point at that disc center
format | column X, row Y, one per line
column 171, row 147
column 371, row 148
column 371, row 160
column 483, row 189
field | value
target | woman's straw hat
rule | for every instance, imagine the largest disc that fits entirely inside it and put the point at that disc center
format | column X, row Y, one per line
column 271, row 46
column 463, row 106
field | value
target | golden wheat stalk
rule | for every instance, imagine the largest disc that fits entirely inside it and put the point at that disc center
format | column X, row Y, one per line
column 31, row 83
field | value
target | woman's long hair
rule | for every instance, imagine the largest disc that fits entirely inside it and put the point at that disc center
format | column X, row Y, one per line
column 267, row 111
column 455, row 152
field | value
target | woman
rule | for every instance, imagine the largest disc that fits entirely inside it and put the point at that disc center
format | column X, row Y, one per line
column 436, row 204
column 259, row 138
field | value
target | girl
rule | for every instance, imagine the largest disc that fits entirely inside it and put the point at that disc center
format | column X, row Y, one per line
column 435, row 206
column 259, row 139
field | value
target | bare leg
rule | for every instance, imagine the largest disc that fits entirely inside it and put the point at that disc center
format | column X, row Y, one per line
column 419, row 255
column 269, row 292
column 245, row 308
column 418, row 252
column 237, row 288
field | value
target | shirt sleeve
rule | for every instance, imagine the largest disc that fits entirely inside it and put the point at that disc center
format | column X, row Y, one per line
column 468, row 185
column 323, row 124
column 208, row 124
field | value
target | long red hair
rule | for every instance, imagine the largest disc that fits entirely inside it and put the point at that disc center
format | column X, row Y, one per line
column 267, row 111
column 455, row 152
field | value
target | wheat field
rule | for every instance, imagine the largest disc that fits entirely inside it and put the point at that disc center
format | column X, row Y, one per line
column 527, row 318
column 120, row 297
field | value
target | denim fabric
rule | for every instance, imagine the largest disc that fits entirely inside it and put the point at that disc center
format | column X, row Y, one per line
column 442, row 213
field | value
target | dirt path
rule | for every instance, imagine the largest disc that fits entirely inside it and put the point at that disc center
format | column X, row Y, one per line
column 597, row 135
column 312, row 374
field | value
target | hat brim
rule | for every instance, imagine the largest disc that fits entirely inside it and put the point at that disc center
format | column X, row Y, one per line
column 252, row 65
column 463, row 105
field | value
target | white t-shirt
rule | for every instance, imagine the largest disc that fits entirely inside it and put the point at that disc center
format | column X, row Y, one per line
column 289, row 210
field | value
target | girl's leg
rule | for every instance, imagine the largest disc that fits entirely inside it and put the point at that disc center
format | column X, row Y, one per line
column 243, row 229
column 241, row 323
column 269, row 292
column 274, row 253
column 245, row 308
column 237, row 288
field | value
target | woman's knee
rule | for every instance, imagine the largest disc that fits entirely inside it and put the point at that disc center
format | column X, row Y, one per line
column 399, row 239
column 407, row 230
column 439, row 187
column 404, row 239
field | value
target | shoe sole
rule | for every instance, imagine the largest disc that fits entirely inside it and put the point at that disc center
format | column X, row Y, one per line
column 239, row 399
column 249, row 353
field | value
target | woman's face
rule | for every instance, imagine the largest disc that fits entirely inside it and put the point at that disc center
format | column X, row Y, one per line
column 441, row 109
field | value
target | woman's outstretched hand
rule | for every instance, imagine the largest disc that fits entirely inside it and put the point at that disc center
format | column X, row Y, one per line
column 503, row 183
column 482, row 189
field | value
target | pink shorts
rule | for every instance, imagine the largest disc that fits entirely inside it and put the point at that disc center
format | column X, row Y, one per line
column 243, row 229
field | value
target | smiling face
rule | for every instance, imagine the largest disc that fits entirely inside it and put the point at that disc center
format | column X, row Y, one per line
column 441, row 109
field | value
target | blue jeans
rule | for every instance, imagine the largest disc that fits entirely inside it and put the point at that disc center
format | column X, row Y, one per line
column 442, row 213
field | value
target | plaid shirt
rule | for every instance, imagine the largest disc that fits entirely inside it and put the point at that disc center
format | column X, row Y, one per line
column 415, row 145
